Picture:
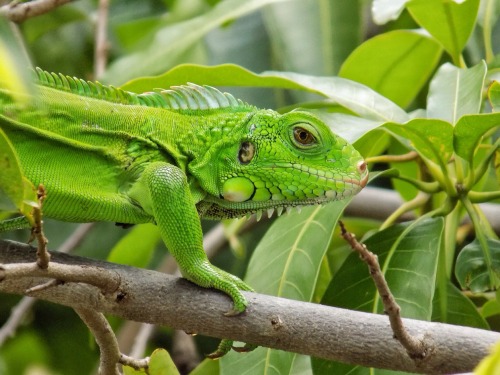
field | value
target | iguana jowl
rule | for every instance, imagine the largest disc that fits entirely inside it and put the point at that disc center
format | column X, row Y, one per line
column 171, row 157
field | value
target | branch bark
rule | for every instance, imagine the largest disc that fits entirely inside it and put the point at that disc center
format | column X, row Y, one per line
column 321, row 331
column 18, row 12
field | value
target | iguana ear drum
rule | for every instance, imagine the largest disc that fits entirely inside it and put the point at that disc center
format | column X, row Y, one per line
column 246, row 153
column 238, row 189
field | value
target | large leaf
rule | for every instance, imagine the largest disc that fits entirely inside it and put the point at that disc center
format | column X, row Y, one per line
column 472, row 269
column 286, row 263
column 450, row 22
column 173, row 41
column 352, row 95
column 408, row 256
column 391, row 64
column 469, row 131
column 455, row 92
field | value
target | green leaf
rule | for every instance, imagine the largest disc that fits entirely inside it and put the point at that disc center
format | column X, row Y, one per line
column 469, row 131
column 456, row 92
column 391, row 64
column 206, row 367
column 494, row 96
column 286, row 263
column 16, row 193
column 472, row 270
column 160, row 364
column 408, row 256
column 450, row 22
column 352, row 95
column 173, row 41
column 432, row 139
column 136, row 248
column 459, row 310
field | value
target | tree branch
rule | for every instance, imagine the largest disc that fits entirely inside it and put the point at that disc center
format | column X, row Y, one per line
column 322, row 331
column 18, row 12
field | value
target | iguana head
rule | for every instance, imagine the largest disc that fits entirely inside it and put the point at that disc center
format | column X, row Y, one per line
column 278, row 161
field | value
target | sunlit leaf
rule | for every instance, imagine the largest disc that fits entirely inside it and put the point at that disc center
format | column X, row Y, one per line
column 472, row 269
column 491, row 364
column 14, row 73
column 352, row 95
column 456, row 92
column 450, row 22
column 391, row 64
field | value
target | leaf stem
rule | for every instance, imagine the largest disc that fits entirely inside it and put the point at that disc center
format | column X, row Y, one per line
column 483, row 196
column 412, row 155
column 416, row 202
column 426, row 187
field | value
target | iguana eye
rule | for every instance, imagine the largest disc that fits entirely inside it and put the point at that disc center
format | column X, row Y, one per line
column 303, row 136
column 246, row 152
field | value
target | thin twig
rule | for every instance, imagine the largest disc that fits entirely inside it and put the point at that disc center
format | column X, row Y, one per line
column 20, row 310
column 415, row 347
column 105, row 339
column 137, row 364
column 101, row 39
column 17, row 11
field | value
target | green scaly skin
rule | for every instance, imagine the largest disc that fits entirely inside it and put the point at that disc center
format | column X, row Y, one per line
column 171, row 157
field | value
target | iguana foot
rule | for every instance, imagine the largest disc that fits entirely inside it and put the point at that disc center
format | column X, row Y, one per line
column 209, row 276
column 226, row 345
column 223, row 348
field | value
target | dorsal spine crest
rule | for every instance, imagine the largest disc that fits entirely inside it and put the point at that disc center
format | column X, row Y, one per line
column 190, row 97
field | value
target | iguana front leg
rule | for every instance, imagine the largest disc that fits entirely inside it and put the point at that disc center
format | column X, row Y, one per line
column 163, row 192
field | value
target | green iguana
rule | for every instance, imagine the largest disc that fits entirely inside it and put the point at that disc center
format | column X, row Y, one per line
column 171, row 157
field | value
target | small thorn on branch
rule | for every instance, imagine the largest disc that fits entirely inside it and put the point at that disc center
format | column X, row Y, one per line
column 415, row 347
